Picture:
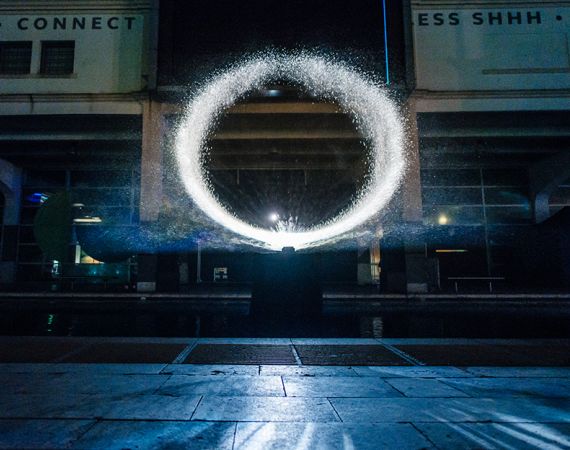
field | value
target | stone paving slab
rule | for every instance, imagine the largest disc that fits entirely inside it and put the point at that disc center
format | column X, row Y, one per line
column 326, row 436
column 265, row 409
column 424, row 387
column 366, row 410
column 223, row 385
column 84, row 406
column 338, row 387
column 210, row 369
column 31, row 383
column 81, row 383
column 92, row 405
column 109, row 384
column 144, row 435
column 509, row 387
column 411, row 371
column 38, row 405
column 523, row 372
column 309, row 371
column 552, row 436
column 44, row 434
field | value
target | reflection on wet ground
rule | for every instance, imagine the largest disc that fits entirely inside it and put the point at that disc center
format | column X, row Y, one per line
column 284, row 324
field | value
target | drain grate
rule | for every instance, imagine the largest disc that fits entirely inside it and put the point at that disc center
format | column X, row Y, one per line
column 489, row 355
column 126, row 353
column 241, row 354
column 348, row 355
column 35, row 351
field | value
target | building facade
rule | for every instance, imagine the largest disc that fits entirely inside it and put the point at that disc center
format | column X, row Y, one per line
column 91, row 92
column 74, row 85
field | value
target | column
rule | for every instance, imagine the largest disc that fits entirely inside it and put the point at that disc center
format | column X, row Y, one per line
column 412, row 214
column 151, row 186
column 11, row 188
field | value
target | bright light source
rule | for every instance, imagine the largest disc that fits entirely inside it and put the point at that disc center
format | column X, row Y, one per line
column 451, row 250
column 272, row 92
column 274, row 217
column 442, row 219
column 88, row 220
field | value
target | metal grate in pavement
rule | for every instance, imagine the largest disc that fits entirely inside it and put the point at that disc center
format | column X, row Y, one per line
column 35, row 351
column 241, row 354
column 126, row 353
column 489, row 355
column 348, row 355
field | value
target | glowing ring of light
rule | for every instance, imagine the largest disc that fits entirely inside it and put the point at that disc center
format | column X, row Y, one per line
column 369, row 105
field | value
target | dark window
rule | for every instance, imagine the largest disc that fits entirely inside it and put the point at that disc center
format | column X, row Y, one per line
column 57, row 57
column 15, row 57
column 451, row 196
column 455, row 177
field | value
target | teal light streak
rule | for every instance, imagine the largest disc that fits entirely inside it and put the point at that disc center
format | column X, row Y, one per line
column 50, row 319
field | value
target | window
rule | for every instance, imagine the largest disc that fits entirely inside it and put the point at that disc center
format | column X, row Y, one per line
column 57, row 57
column 15, row 57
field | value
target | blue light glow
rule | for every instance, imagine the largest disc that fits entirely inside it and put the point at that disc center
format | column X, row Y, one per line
column 37, row 197
column 386, row 42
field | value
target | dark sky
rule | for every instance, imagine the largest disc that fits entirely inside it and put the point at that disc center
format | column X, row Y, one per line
column 200, row 35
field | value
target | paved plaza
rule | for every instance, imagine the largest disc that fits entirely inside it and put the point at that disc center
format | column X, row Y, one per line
column 174, row 405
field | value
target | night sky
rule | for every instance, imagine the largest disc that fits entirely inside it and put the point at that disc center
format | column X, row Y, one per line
column 201, row 35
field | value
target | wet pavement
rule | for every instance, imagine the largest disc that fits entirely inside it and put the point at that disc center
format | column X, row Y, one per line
column 174, row 404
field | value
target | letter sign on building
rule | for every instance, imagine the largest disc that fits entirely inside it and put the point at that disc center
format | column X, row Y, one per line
column 486, row 48
column 108, row 52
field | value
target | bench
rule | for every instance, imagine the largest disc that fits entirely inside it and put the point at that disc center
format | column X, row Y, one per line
column 490, row 280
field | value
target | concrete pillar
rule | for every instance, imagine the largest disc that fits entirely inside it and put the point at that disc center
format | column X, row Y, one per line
column 151, row 185
column 412, row 213
column 11, row 189
column 412, row 188
column 151, row 161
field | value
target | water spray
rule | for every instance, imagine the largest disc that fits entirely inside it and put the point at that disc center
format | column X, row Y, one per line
column 368, row 103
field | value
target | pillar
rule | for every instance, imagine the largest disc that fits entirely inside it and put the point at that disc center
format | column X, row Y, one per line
column 412, row 213
column 151, row 186
column 11, row 189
